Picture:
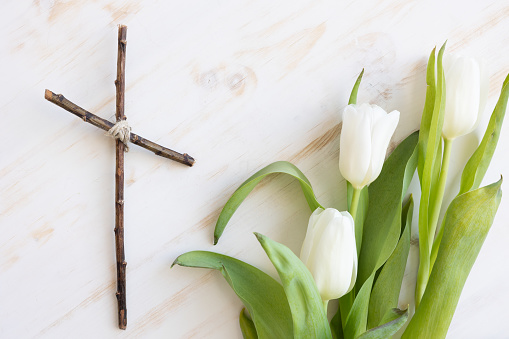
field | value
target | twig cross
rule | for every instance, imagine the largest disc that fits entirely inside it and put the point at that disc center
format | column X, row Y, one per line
column 60, row 100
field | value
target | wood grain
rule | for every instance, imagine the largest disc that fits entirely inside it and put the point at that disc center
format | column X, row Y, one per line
column 241, row 84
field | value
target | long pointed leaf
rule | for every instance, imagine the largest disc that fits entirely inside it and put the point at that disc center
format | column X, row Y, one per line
column 468, row 220
column 427, row 113
column 385, row 293
column 308, row 313
column 476, row 167
column 262, row 295
column 242, row 192
column 382, row 227
column 358, row 317
column 429, row 168
column 247, row 326
column 392, row 322
column 383, row 222
column 336, row 326
column 355, row 89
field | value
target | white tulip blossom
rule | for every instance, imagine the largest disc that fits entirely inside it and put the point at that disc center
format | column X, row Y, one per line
column 330, row 253
column 466, row 92
column 365, row 136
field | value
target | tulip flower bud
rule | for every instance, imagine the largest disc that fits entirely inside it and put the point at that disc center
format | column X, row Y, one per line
column 330, row 253
column 466, row 92
column 367, row 131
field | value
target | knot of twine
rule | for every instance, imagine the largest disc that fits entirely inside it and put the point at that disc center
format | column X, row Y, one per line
column 121, row 131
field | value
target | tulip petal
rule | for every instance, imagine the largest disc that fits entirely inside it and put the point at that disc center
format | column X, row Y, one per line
column 310, row 235
column 485, row 79
column 321, row 222
column 381, row 136
column 335, row 253
column 477, row 165
column 377, row 114
column 355, row 255
column 448, row 62
column 462, row 98
column 355, row 144
column 353, row 276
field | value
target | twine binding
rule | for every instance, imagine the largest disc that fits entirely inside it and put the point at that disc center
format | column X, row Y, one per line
column 121, row 131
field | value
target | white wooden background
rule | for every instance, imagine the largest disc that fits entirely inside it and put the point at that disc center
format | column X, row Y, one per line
column 238, row 85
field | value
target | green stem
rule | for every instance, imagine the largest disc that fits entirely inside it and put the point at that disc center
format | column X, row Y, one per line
column 346, row 301
column 325, row 304
column 440, row 193
column 353, row 211
column 355, row 202
column 425, row 253
column 422, row 277
column 436, row 245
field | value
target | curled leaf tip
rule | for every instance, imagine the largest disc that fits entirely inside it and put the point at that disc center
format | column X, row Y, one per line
column 400, row 311
column 216, row 239
column 259, row 236
column 497, row 183
column 175, row 262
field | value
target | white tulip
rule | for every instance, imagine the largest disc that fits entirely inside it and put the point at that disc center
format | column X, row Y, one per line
column 330, row 253
column 367, row 130
column 466, row 92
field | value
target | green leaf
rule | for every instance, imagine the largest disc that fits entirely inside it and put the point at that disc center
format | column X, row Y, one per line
column 436, row 244
column 336, row 326
column 385, row 293
column 476, row 167
column 358, row 316
column 428, row 159
column 308, row 313
column 427, row 114
column 262, row 295
column 468, row 220
column 392, row 322
column 382, row 227
column 247, row 326
column 242, row 192
column 355, row 89
column 435, row 177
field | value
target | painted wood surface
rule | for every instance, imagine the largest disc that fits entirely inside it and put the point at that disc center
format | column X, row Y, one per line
column 237, row 85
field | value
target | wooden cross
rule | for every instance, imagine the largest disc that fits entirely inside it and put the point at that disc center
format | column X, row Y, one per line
column 60, row 100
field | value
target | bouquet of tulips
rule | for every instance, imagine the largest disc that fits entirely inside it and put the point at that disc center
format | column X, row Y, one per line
column 359, row 256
